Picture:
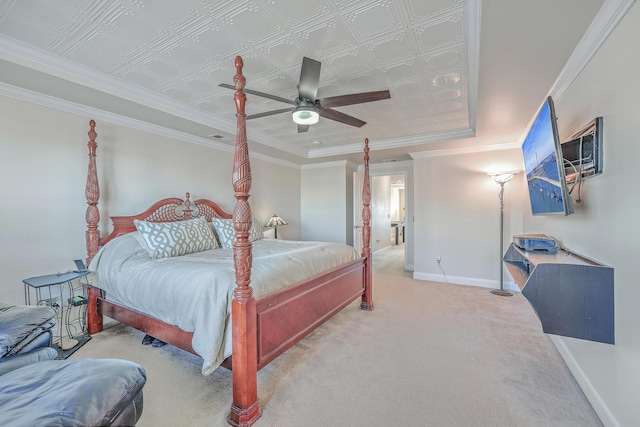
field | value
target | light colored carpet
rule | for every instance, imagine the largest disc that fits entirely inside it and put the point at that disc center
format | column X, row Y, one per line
column 430, row 354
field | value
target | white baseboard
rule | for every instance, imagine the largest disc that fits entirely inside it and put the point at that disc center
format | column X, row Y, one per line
column 598, row 404
column 469, row 281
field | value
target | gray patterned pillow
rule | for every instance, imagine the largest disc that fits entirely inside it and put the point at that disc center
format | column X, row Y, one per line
column 227, row 234
column 225, row 231
column 255, row 232
column 170, row 239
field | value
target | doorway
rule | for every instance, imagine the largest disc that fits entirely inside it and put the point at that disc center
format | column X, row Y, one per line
column 389, row 199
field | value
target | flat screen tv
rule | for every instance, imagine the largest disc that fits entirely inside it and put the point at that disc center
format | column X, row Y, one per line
column 544, row 165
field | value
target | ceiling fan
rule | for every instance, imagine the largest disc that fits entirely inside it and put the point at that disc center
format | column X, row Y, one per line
column 308, row 108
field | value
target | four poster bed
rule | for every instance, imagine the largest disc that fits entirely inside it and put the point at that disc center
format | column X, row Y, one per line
column 296, row 287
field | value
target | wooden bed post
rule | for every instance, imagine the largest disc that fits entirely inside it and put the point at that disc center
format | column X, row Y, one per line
column 367, row 297
column 92, row 235
column 245, row 409
column 92, row 193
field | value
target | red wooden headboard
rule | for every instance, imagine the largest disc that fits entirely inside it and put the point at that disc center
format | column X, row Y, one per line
column 167, row 210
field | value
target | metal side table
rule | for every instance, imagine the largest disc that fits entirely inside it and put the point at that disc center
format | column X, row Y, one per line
column 70, row 303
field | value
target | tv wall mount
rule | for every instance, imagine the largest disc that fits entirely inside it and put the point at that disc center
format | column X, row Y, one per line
column 582, row 154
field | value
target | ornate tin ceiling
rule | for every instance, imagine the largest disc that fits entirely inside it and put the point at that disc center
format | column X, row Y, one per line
column 138, row 57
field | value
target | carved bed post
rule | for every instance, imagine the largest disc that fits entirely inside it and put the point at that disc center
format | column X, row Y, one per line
column 92, row 235
column 92, row 193
column 367, row 297
column 245, row 409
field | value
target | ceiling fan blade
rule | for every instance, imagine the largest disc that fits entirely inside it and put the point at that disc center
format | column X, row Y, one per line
column 341, row 117
column 303, row 128
column 262, row 94
column 354, row 98
column 269, row 113
column 309, row 79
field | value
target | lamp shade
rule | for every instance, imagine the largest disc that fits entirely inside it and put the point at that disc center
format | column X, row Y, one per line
column 502, row 177
column 275, row 221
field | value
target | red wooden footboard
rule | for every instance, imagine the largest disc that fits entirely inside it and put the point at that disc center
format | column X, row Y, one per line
column 287, row 316
column 262, row 329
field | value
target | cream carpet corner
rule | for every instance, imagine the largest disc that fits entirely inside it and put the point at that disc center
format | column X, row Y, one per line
column 429, row 354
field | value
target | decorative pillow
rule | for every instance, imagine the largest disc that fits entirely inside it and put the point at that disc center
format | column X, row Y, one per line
column 227, row 234
column 255, row 232
column 225, row 231
column 170, row 239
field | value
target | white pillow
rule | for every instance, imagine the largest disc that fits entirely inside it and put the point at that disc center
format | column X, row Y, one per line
column 227, row 234
column 170, row 239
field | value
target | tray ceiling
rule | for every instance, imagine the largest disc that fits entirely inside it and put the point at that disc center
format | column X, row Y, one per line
column 161, row 61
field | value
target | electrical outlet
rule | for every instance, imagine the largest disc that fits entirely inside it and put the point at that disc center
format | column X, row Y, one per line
column 439, row 259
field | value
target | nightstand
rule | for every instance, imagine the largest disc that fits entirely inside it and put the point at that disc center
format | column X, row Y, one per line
column 70, row 303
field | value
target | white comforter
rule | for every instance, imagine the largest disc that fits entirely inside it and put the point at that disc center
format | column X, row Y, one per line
column 194, row 291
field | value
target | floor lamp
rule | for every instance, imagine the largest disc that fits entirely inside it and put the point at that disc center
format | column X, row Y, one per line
column 501, row 178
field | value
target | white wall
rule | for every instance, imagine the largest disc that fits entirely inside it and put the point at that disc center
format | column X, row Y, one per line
column 605, row 226
column 43, row 170
column 324, row 202
column 457, row 216
column 276, row 190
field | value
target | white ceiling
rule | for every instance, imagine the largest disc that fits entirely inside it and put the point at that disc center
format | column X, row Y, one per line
column 463, row 74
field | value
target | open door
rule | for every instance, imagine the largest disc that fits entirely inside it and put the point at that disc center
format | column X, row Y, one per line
column 358, row 178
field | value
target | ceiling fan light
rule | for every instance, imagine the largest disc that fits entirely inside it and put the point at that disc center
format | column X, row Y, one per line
column 305, row 116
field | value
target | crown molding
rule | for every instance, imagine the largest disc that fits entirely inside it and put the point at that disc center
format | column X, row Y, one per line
column 40, row 60
column 337, row 163
column 605, row 21
column 465, row 150
column 116, row 119
column 399, row 142
column 391, row 165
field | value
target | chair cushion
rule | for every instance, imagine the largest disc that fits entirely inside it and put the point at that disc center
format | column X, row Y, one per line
column 78, row 392
column 19, row 324
column 8, row 364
